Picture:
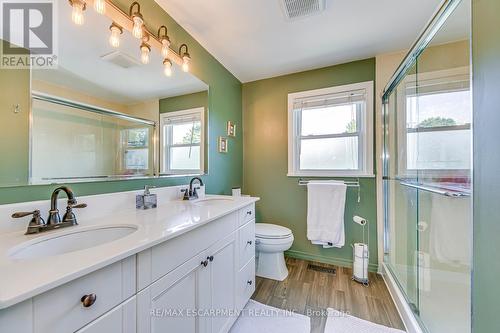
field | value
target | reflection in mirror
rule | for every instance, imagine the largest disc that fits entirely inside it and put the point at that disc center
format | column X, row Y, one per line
column 182, row 134
column 101, row 113
column 88, row 143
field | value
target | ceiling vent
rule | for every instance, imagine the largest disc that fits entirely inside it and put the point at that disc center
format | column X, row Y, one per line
column 300, row 8
column 121, row 59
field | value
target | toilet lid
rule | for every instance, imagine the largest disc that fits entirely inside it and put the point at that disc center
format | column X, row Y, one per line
column 267, row 230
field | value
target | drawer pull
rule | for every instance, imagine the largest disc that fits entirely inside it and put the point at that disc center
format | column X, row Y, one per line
column 88, row 300
column 249, row 242
column 249, row 212
column 211, row 258
column 249, row 282
column 204, row 263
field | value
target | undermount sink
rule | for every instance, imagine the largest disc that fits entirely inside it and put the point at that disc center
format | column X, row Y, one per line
column 212, row 201
column 70, row 241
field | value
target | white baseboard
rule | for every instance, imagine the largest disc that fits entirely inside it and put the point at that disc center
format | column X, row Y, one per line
column 409, row 320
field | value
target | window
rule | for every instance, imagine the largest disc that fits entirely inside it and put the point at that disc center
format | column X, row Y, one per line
column 437, row 122
column 330, row 131
column 136, row 148
column 182, row 141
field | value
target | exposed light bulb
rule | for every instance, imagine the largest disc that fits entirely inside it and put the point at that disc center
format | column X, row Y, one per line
column 137, row 29
column 145, row 50
column 185, row 63
column 77, row 12
column 100, row 6
column 116, row 31
column 167, row 67
column 185, row 58
column 165, row 47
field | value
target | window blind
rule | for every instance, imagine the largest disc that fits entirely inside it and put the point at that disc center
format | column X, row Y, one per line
column 188, row 118
column 322, row 101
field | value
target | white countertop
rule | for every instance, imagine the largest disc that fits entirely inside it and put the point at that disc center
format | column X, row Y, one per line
column 23, row 279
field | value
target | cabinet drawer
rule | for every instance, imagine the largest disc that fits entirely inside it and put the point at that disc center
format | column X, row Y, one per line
column 247, row 214
column 120, row 319
column 246, row 243
column 245, row 284
column 61, row 309
column 165, row 257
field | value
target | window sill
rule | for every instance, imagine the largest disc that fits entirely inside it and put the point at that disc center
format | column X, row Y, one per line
column 330, row 174
column 182, row 173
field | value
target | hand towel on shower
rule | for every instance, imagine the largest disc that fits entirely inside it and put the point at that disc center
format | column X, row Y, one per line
column 325, row 213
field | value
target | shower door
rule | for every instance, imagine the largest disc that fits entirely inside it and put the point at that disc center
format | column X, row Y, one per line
column 427, row 177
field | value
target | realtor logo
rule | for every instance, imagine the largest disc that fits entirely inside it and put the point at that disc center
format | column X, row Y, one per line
column 28, row 38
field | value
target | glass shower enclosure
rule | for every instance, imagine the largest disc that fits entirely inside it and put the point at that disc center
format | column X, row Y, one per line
column 427, row 173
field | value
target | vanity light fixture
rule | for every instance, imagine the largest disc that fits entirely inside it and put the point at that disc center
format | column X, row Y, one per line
column 116, row 31
column 145, row 50
column 100, row 6
column 167, row 64
column 137, row 18
column 77, row 14
column 165, row 41
column 186, row 58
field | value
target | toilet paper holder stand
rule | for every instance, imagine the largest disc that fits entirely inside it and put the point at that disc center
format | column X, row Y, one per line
column 365, row 257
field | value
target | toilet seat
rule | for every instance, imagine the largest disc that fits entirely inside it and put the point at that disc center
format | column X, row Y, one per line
column 272, row 231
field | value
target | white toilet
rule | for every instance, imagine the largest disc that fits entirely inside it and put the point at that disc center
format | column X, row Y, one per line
column 271, row 241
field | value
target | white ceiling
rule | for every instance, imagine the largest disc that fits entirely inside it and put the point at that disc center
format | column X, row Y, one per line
column 82, row 69
column 253, row 40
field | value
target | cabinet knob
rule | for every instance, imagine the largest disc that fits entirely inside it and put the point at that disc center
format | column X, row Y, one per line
column 249, row 282
column 204, row 263
column 249, row 212
column 249, row 242
column 88, row 300
column 211, row 258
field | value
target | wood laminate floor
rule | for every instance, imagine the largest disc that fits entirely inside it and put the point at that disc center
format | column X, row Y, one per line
column 307, row 291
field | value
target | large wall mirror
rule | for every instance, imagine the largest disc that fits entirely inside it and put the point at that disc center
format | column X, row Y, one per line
column 102, row 113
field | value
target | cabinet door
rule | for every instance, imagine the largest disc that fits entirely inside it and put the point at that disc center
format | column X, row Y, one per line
column 120, row 319
column 170, row 304
column 223, row 269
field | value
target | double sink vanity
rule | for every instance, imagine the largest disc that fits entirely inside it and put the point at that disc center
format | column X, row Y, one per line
column 186, row 266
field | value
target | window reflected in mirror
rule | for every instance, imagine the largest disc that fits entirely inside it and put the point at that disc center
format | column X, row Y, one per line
column 182, row 141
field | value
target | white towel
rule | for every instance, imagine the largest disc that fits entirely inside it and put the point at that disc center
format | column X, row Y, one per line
column 451, row 225
column 325, row 213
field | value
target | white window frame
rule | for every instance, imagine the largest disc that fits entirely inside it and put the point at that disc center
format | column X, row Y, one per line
column 365, row 159
column 165, row 169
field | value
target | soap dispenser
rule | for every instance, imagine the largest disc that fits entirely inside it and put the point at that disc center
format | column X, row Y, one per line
column 146, row 200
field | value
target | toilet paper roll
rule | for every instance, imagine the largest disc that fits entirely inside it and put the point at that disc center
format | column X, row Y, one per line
column 359, row 220
column 360, row 250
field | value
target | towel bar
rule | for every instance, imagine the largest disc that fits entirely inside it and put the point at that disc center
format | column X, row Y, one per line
column 348, row 183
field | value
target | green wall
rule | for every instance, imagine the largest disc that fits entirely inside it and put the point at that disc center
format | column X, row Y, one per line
column 486, row 137
column 224, row 104
column 184, row 102
column 265, row 161
column 14, row 129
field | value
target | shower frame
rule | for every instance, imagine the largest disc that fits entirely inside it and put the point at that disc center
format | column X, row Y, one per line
column 446, row 8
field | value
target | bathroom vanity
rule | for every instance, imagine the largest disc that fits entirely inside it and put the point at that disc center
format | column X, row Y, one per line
column 187, row 266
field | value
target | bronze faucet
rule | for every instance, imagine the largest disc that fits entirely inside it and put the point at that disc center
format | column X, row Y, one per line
column 37, row 224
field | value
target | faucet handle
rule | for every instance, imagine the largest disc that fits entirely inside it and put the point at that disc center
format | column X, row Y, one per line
column 82, row 205
column 23, row 214
column 186, row 194
column 69, row 216
column 36, row 222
